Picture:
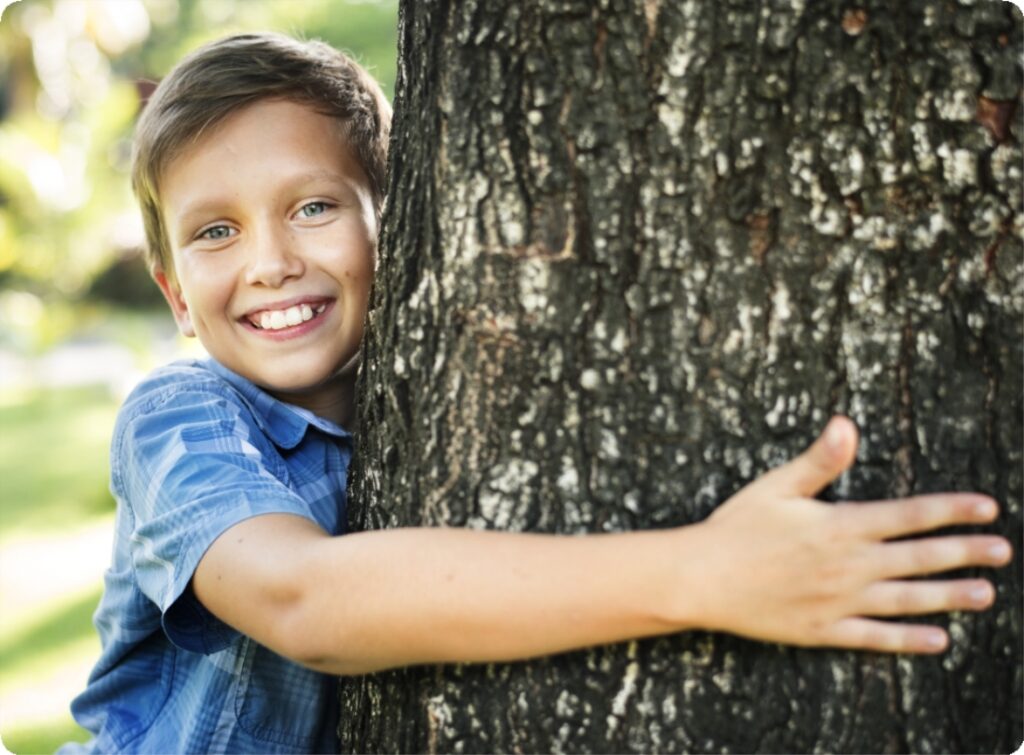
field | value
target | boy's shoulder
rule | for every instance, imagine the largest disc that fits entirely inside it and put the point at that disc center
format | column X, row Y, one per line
column 203, row 392
column 177, row 380
column 192, row 391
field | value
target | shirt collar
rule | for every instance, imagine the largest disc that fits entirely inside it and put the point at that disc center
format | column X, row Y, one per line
column 285, row 424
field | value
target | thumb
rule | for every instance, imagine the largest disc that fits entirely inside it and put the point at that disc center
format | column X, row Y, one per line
column 828, row 457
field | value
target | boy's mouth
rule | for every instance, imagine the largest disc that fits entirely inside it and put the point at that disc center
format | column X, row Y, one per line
column 288, row 317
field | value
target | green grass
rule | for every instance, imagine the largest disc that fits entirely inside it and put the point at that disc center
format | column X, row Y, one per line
column 43, row 738
column 53, row 457
column 30, row 647
column 53, row 492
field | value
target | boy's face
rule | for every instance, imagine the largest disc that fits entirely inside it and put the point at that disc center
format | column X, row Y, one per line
column 272, row 234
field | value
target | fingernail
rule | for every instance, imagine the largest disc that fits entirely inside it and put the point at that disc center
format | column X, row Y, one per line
column 936, row 640
column 999, row 551
column 978, row 594
column 984, row 509
column 834, row 435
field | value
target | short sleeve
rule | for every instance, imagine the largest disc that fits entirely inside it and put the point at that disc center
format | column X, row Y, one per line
column 190, row 464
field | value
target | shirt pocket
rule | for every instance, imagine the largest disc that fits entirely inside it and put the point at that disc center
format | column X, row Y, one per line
column 144, row 686
column 279, row 701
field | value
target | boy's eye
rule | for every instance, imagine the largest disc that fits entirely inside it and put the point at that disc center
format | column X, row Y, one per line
column 216, row 233
column 313, row 209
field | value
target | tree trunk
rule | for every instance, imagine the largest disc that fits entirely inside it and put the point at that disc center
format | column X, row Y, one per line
column 635, row 254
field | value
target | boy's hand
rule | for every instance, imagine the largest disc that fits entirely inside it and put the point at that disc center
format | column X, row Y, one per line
column 787, row 568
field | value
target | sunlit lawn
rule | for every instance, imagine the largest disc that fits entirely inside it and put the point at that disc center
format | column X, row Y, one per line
column 55, row 526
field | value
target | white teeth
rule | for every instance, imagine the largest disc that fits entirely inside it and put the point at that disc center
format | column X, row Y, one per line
column 286, row 318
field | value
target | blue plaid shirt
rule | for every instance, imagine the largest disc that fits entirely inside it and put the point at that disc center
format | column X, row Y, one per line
column 196, row 450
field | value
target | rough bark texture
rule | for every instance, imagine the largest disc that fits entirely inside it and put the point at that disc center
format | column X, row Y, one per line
column 636, row 253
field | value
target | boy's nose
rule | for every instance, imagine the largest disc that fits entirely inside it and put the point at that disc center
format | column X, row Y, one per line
column 272, row 260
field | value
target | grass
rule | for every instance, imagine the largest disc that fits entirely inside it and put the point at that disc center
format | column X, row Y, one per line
column 56, row 514
column 42, row 738
column 55, row 525
column 32, row 646
column 53, row 457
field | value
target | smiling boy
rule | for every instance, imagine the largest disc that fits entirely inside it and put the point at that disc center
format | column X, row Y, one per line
column 278, row 294
column 232, row 602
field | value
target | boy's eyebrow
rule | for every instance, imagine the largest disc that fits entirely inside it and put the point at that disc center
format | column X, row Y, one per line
column 319, row 175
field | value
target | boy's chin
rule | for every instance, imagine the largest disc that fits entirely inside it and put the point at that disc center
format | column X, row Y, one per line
column 300, row 384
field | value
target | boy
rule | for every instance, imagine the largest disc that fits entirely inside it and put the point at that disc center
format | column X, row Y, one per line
column 231, row 603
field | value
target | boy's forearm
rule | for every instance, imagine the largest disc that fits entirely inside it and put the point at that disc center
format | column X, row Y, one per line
column 771, row 563
column 399, row 597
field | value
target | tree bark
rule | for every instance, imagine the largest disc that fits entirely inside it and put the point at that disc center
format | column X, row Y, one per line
column 635, row 254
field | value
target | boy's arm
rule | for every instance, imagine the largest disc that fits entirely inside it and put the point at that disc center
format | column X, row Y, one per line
column 771, row 564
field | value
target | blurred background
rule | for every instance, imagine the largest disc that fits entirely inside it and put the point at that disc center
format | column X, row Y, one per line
column 80, row 321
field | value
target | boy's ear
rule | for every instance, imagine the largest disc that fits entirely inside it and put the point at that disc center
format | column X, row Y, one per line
column 177, row 302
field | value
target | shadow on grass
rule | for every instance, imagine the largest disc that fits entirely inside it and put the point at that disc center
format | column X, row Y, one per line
column 66, row 624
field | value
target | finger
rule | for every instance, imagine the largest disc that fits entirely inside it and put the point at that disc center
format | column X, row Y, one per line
column 868, row 634
column 880, row 520
column 911, row 558
column 899, row 598
column 827, row 458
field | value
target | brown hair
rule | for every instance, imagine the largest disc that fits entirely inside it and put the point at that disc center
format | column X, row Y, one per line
column 224, row 76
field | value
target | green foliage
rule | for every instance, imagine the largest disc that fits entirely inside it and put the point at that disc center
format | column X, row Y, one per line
column 69, row 95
